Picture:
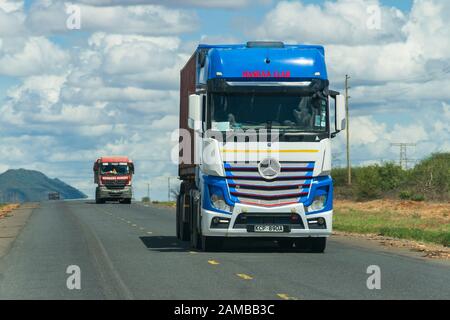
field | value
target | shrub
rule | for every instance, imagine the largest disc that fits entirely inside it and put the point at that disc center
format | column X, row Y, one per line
column 405, row 195
column 368, row 183
column 418, row 197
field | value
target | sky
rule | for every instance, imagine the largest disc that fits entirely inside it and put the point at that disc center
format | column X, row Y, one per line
column 111, row 87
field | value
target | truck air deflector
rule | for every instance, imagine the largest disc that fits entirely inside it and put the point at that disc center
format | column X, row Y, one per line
column 287, row 62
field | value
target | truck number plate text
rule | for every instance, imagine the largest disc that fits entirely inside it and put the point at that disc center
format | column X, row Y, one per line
column 269, row 228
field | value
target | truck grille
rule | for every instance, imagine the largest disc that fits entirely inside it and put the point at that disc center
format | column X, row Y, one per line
column 248, row 186
column 115, row 184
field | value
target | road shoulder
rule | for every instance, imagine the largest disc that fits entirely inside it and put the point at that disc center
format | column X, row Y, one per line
column 409, row 248
column 12, row 223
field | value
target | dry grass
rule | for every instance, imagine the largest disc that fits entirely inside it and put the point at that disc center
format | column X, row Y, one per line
column 7, row 208
column 422, row 221
column 405, row 208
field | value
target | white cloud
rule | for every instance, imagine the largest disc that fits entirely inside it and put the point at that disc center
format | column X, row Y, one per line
column 184, row 3
column 31, row 56
column 11, row 6
column 344, row 21
column 51, row 17
column 11, row 18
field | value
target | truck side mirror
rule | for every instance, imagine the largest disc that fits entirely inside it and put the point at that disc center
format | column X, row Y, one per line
column 195, row 112
column 340, row 113
column 132, row 168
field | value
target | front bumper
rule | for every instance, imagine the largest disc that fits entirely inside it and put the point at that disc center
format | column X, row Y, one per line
column 307, row 229
column 107, row 193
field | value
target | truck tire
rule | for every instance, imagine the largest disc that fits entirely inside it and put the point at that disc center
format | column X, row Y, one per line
column 196, row 241
column 177, row 218
column 318, row 245
column 211, row 244
column 286, row 244
column 125, row 201
column 185, row 233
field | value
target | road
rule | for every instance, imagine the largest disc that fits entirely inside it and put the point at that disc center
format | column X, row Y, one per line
column 131, row 252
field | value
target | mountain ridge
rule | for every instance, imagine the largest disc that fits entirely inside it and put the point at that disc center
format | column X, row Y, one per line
column 23, row 185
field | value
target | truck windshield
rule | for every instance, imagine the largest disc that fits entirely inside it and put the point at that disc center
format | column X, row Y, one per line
column 114, row 169
column 282, row 111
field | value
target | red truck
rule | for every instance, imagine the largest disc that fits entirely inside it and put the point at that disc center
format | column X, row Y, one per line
column 113, row 175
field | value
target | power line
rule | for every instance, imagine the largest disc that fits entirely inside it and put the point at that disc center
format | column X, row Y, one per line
column 403, row 160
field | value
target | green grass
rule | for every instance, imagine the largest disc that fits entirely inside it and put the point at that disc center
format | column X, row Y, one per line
column 413, row 227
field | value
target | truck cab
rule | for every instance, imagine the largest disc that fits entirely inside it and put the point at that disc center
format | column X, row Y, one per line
column 256, row 123
column 113, row 176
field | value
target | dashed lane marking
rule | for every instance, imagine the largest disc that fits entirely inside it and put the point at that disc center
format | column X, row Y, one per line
column 284, row 296
column 213, row 262
column 244, row 276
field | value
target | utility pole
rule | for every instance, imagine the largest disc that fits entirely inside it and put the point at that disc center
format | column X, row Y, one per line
column 403, row 160
column 148, row 191
column 347, row 127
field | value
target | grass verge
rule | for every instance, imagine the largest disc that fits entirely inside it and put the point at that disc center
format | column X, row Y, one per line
column 165, row 203
column 412, row 226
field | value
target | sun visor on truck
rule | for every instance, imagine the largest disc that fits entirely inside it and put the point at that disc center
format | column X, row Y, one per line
column 299, row 86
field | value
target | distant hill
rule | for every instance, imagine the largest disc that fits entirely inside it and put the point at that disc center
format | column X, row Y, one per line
column 21, row 185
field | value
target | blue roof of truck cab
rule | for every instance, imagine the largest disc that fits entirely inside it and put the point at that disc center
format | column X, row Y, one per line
column 287, row 63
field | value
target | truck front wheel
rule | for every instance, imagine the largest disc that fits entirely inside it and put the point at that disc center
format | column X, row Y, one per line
column 184, row 227
column 177, row 218
column 195, row 220
column 99, row 200
column 286, row 244
column 318, row 245
column 210, row 244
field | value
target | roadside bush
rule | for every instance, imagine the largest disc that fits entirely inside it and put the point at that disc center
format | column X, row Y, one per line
column 339, row 176
column 405, row 195
column 391, row 176
column 428, row 180
column 431, row 177
column 418, row 197
column 368, row 184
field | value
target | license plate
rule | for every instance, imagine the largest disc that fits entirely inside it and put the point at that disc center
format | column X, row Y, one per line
column 269, row 228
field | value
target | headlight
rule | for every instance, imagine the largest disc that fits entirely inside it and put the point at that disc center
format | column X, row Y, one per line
column 217, row 199
column 318, row 203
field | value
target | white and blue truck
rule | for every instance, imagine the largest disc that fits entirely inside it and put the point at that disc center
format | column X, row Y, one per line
column 256, row 123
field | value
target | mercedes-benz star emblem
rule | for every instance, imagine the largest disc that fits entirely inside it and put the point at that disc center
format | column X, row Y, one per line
column 269, row 168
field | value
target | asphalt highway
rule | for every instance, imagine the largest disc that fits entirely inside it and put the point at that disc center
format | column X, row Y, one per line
column 131, row 252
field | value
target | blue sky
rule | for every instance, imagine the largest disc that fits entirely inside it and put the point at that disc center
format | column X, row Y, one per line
column 67, row 96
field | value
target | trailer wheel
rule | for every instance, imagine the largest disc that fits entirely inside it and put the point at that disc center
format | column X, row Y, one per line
column 210, row 244
column 318, row 245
